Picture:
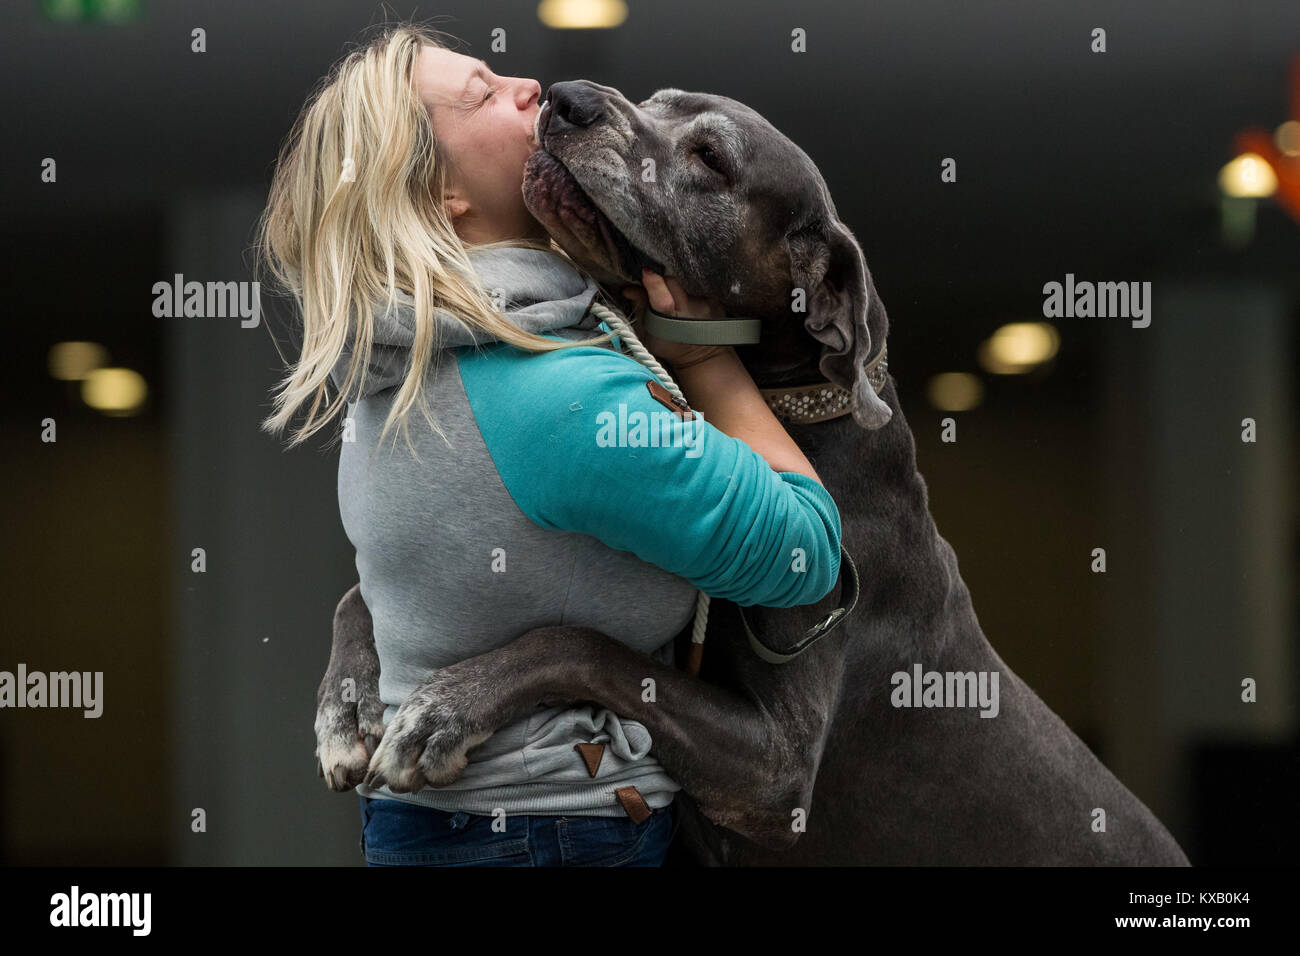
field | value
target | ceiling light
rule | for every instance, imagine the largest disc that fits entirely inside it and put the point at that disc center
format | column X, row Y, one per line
column 955, row 391
column 73, row 361
column 1248, row 175
column 1018, row 347
column 114, row 391
column 582, row 14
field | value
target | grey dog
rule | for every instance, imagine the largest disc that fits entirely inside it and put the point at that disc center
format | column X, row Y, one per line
column 738, row 212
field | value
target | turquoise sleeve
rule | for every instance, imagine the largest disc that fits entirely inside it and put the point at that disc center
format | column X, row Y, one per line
column 582, row 445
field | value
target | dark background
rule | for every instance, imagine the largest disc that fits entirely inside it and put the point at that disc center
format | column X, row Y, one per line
column 1103, row 165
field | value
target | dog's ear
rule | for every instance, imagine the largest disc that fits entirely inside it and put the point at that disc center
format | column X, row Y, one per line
column 843, row 309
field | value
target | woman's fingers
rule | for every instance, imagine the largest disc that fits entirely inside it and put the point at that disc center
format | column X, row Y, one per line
column 669, row 298
column 661, row 297
column 683, row 305
column 678, row 293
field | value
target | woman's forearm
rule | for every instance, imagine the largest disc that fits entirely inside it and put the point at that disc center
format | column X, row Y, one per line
column 724, row 393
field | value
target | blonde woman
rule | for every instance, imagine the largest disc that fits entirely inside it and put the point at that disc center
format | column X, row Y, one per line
column 396, row 220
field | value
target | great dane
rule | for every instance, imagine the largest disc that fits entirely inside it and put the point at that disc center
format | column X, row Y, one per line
column 810, row 761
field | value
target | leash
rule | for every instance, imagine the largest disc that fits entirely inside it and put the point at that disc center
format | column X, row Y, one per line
column 623, row 329
column 818, row 630
column 801, row 404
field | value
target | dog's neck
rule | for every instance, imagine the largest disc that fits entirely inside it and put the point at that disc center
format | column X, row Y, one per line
column 789, row 359
column 882, row 500
column 781, row 367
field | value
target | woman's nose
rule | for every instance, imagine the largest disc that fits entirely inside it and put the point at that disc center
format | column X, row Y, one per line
column 532, row 91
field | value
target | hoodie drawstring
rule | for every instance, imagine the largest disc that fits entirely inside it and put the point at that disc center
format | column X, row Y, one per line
column 623, row 329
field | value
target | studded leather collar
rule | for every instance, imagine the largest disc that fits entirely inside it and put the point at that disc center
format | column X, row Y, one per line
column 823, row 401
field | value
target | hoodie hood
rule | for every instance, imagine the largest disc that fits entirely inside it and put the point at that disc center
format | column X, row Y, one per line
column 537, row 291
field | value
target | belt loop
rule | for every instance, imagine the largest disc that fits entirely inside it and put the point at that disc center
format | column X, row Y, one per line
column 458, row 820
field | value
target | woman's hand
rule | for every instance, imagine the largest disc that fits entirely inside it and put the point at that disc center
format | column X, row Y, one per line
column 667, row 297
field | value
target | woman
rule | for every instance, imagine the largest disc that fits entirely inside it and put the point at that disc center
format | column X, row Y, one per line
column 396, row 219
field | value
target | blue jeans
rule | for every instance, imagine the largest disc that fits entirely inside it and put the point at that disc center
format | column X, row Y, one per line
column 395, row 833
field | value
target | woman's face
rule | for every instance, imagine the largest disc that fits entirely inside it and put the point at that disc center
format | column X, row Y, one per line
column 485, row 125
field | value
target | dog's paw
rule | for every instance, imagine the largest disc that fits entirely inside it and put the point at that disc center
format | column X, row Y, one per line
column 347, row 736
column 426, row 744
column 341, row 762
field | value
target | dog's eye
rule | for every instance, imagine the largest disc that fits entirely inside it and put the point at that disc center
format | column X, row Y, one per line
column 709, row 157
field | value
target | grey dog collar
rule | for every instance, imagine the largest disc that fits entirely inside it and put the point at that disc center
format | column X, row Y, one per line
column 729, row 331
column 800, row 404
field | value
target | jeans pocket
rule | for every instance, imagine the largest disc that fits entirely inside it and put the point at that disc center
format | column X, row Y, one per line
column 396, row 833
column 616, row 841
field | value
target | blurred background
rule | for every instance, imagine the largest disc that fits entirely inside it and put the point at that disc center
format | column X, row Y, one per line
column 1074, row 434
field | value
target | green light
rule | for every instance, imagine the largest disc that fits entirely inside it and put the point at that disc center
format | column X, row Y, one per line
column 92, row 11
column 64, row 11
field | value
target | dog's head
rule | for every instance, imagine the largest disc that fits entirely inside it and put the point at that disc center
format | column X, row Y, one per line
column 703, row 188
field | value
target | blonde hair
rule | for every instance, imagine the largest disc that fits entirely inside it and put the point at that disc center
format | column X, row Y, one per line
column 353, row 215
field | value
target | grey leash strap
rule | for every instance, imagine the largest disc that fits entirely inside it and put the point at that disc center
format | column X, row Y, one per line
column 848, row 599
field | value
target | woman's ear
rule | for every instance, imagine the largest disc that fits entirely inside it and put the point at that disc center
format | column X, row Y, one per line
column 842, row 304
column 455, row 206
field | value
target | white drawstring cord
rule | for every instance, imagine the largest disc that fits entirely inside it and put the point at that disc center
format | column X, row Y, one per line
column 623, row 329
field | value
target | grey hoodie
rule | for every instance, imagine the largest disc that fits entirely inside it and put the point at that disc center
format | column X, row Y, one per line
column 526, row 521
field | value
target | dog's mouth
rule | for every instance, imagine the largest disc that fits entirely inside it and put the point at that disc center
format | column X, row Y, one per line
column 582, row 229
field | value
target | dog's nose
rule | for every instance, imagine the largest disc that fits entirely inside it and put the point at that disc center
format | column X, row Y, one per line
column 573, row 105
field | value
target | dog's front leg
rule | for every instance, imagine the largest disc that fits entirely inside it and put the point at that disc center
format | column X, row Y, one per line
column 748, row 769
column 349, row 713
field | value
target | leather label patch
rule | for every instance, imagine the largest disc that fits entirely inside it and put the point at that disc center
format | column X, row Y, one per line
column 665, row 398
column 633, row 803
column 591, row 754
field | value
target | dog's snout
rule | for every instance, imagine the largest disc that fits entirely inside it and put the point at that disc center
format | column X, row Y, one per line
column 573, row 104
